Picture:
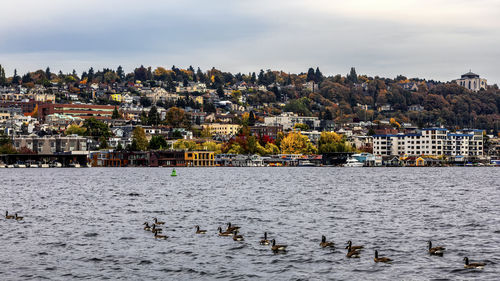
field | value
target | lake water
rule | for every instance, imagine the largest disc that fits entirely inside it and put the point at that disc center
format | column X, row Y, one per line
column 87, row 223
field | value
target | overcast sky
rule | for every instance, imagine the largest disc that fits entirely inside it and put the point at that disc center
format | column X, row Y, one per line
column 433, row 39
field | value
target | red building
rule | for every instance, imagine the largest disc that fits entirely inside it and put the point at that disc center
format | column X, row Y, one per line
column 83, row 111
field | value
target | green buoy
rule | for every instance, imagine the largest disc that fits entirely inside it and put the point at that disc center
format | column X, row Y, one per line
column 174, row 174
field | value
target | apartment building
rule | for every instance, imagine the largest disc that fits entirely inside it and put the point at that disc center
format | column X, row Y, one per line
column 432, row 142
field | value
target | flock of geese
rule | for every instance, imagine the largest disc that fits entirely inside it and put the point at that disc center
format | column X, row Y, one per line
column 353, row 251
column 13, row 217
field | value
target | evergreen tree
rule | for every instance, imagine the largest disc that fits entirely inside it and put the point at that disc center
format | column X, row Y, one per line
column 253, row 79
column 220, row 92
column 352, row 76
column 15, row 78
column 120, row 73
column 3, row 80
column 311, row 76
column 251, row 119
column 153, row 116
column 261, row 77
column 116, row 114
column 318, row 76
column 90, row 75
column 48, row 75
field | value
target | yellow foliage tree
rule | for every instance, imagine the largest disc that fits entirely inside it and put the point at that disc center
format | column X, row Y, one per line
column 296, row 143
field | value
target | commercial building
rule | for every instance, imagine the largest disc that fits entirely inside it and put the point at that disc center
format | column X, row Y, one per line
column 200, row 158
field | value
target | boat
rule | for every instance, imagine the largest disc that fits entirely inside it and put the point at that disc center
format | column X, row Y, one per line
column 306, row 163
column 55, row 164
column 2, row 165
column 10, row 166
column 74, row 165
column 351, row 162
column 44, row 165
column 20, row 165
column 174, row 173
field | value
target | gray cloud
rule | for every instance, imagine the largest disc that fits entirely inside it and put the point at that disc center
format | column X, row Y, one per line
column 430, row 39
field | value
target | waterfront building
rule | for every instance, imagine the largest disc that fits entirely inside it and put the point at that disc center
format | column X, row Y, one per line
column 199, row 158
column 472, row 81
column 51, row 144
column 431, row 142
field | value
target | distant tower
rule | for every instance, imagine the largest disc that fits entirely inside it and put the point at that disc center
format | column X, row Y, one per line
column 471, row 81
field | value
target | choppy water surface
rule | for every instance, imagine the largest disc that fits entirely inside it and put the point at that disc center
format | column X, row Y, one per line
column 87, row 223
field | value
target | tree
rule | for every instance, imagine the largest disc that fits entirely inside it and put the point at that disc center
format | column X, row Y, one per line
column 75, row 130
column 352, row 76
column 175, row 116
column 15, row 78
column 158, row 142
column 318, row 76
column 96, row 128
column 48, row 75
column 333, row 142
column 3, row 80
column 296, row 143
column 311, row 76
column 103, row 143
column 116, row 114
column 251, row 119
column 153, row 116
column 119, row 147
column 120, row 73
column 302, row 127
column 139, row 140
column 7, row 148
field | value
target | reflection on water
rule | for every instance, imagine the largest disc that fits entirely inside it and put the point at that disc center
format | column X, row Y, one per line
column 88, row 223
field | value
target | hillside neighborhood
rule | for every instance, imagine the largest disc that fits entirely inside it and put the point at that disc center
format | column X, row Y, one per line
column 187, row 117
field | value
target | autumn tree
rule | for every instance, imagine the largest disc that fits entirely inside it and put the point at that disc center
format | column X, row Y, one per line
column 333, row 142
column 296, row 143
column 75, row 130
column 139, row 140
column 175, row 116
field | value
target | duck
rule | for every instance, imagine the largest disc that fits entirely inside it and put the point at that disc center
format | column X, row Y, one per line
column 381, row 259
column 7, row 216
column 146, row 226
column 355, row 248
column 199, row 231
column 479, row 265
column 225, row 233
column 18, row 218
column 158, row 236
column 231, row 228
column 237, row 237
column 435, row 251
column 351, row 253
column 264, row 241
column 158, row 222
column 277, row 248
column 325, row 244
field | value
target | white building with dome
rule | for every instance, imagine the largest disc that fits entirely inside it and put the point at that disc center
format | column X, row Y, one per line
column 472, row 82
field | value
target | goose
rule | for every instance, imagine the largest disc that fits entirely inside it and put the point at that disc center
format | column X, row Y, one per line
column 237, row 237
column 7, row 216
column 479, row 265
column 381, row 259
column 352, row 253
column 199, row 231
column 225, row 233
column 355, row 248
column 264, row 241
column 436, row 251
column 18, row 218
column 158, row 222
column 232, row 228
column 277, row 248
column 325, row 244
column 147, row 227
column 158, row 236
column 159, row 230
